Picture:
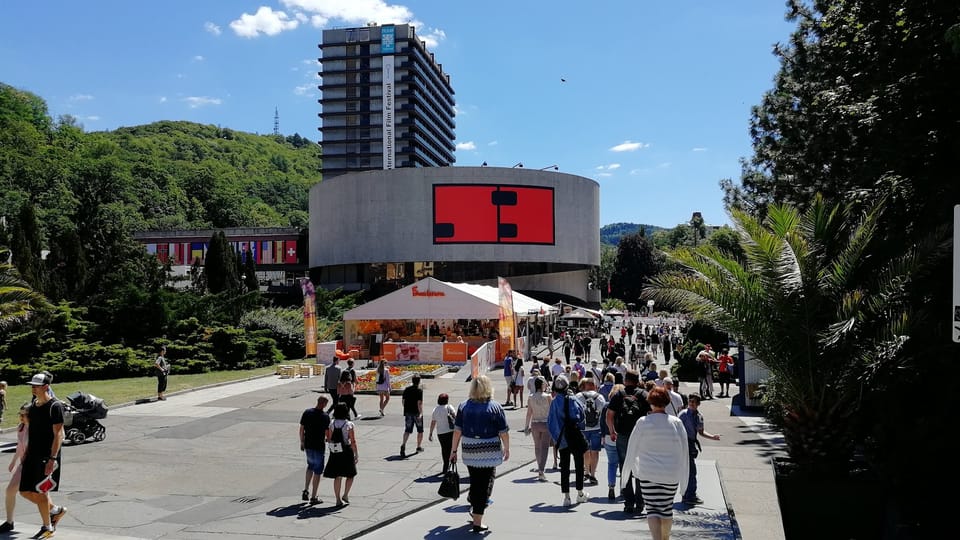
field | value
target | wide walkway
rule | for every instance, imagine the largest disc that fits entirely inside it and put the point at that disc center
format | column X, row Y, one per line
column 224, row 462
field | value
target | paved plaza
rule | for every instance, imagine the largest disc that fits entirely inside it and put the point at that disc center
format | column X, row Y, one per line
column 224, row 462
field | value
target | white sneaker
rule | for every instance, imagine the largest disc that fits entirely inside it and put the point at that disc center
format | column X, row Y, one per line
column 566, row 500
column 582, row 497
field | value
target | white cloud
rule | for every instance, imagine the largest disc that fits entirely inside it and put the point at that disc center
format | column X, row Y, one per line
column 163, row 99
column 92, row 118
column 264, row 21
column 80, row 97
column 304, row 89
column 433, row 37
column 698, row 149
column 301, row 17
column 629, row 146
column 212, row 28
column 469, row 145
column 198, row 58
column 353, row 12
column 604, row 174
column 493, row 143
column 201, row 101
column 609, row 167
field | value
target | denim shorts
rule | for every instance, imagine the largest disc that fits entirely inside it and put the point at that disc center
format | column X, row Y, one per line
column 594, row 441
column 315, row 460
column 410, row 420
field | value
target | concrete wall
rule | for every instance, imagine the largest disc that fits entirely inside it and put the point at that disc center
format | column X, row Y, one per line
column 387, row 216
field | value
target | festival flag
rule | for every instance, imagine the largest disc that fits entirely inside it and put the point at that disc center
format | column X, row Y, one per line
column 508, row 321
column 309, row 316
column 196, row 252
column 290, row 255
column 278, row 251
column 266, row 253
column 163, row 252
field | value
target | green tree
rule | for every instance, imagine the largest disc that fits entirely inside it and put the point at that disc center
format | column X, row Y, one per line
column 67, row 266
column 26, row 246
column 727, row 240
column 18, row 300
column 250, row 280
column 637, row 261
column 220, row 266
column 812, row 310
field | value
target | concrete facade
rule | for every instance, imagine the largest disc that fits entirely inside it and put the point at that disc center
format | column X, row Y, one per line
column 548, row 241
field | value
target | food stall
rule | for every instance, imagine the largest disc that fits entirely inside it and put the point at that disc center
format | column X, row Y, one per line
column 433, row 320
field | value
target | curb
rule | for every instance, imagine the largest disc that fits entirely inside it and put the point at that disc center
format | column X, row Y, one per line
column 380, row 524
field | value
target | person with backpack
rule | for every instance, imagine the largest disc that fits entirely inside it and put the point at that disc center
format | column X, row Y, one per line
column 593, row 404
column 625, row 408
column 344, row 453
column 565, row 422
column 442, row 420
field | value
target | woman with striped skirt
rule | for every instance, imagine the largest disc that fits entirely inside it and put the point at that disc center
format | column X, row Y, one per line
column 481, row 431
column 657, row 456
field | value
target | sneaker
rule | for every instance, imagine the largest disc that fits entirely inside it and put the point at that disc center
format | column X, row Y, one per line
column 381, row 412
column 611, row 494
column 359, row 416
column 419, row 449
column 582, row 497
column 403, row 451
column 346, row 500
column 542, row 477
column 55, row 517
column 693, row 501
column 305, row 495
column 315, row 500
column 566, row 500
column 44, row 532
column 6, row 527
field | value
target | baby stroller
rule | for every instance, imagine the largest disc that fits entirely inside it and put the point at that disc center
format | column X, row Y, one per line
column 80, row 415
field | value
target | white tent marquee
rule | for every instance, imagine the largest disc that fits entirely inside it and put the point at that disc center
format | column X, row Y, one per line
column 431, row 298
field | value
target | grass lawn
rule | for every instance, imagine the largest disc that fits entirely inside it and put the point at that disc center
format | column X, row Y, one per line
column 116, row 391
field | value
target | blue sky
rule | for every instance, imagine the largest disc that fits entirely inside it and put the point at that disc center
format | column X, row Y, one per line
column 655, row 106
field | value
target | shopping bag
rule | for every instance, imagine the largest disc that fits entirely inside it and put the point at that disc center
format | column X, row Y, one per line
column 450, row 485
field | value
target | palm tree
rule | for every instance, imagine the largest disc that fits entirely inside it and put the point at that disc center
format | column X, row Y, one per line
column 18, row 301
column 814, row 308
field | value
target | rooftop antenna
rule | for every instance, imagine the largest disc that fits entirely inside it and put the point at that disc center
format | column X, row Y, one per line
column 276, row 122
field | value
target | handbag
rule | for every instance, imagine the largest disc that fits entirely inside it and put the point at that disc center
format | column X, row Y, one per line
column 576, row 442
column 450, row 485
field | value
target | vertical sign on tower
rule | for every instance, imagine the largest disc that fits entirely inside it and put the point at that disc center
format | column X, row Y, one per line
column 956, row 274
column 387, row 49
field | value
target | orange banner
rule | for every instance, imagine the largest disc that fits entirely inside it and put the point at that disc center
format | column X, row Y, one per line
column 309, row 316
column 389, row 351
column 454, row 352
column 508, row 321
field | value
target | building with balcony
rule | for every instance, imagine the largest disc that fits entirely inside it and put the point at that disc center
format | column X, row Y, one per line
column 385, row 101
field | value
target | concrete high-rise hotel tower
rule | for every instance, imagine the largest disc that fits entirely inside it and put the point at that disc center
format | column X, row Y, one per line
column 385, row 101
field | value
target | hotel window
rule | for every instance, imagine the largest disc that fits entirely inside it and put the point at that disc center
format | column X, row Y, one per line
column 353, row 120
column 364, row 34
column 352, row 106
column 352, row 63
column 352, row 91
column 351, row 36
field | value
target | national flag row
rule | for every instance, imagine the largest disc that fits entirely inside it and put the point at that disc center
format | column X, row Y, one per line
column 263, row 252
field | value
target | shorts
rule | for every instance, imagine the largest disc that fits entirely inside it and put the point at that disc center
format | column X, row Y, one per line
column 315, row 460
column 410, row 420
column 594, row 440
column 32, row 472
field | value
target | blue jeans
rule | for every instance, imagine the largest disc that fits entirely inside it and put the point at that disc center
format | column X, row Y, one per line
column 691, row 492
column 631, row 492
column 613, row 464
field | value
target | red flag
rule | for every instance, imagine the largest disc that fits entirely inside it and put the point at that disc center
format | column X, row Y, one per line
column 608, row 286
column 290, row 253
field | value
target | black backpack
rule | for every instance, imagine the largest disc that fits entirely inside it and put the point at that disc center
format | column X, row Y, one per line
column 591, row 415
column 634, row 407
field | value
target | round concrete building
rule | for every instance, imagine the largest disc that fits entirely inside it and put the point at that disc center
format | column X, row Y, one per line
column 381, row 230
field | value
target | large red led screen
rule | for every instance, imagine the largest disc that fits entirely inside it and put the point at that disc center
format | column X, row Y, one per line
column 492, row 214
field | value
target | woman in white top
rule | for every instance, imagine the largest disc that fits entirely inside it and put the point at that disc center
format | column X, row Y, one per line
column 442, row 420
column 658, row 456
column 518, row 378
column 538, row 410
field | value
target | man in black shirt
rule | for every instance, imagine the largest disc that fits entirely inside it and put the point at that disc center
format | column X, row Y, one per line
column 625, row 408
column 42, row 459
column 412, row 414
column 313, row 433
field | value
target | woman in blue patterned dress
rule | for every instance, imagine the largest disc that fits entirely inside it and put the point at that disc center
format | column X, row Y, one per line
column 482, row 431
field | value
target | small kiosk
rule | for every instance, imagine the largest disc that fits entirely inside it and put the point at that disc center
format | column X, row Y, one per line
column 433, row 321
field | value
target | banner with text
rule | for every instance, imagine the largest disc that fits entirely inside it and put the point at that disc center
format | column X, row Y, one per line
column 309, row 316
column 508, row 320
column 389, row 154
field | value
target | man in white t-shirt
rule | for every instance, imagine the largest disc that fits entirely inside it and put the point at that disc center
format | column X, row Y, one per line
column 557, row 369
column 676, row 400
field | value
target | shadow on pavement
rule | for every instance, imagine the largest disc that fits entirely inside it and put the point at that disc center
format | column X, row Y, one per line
column 551, row 509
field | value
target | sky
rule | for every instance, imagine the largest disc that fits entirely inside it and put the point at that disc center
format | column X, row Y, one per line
column 650, row 98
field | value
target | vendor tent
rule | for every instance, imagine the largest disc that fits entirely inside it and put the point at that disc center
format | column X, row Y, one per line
column 578, row 314
column 614, row 313
column 431, row 298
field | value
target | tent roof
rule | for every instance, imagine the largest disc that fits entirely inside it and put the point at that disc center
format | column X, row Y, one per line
column 613, row 313
column 431, row 298
column 578, row 314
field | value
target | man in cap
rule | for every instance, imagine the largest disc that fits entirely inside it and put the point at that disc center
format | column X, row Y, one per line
column 41, row 465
